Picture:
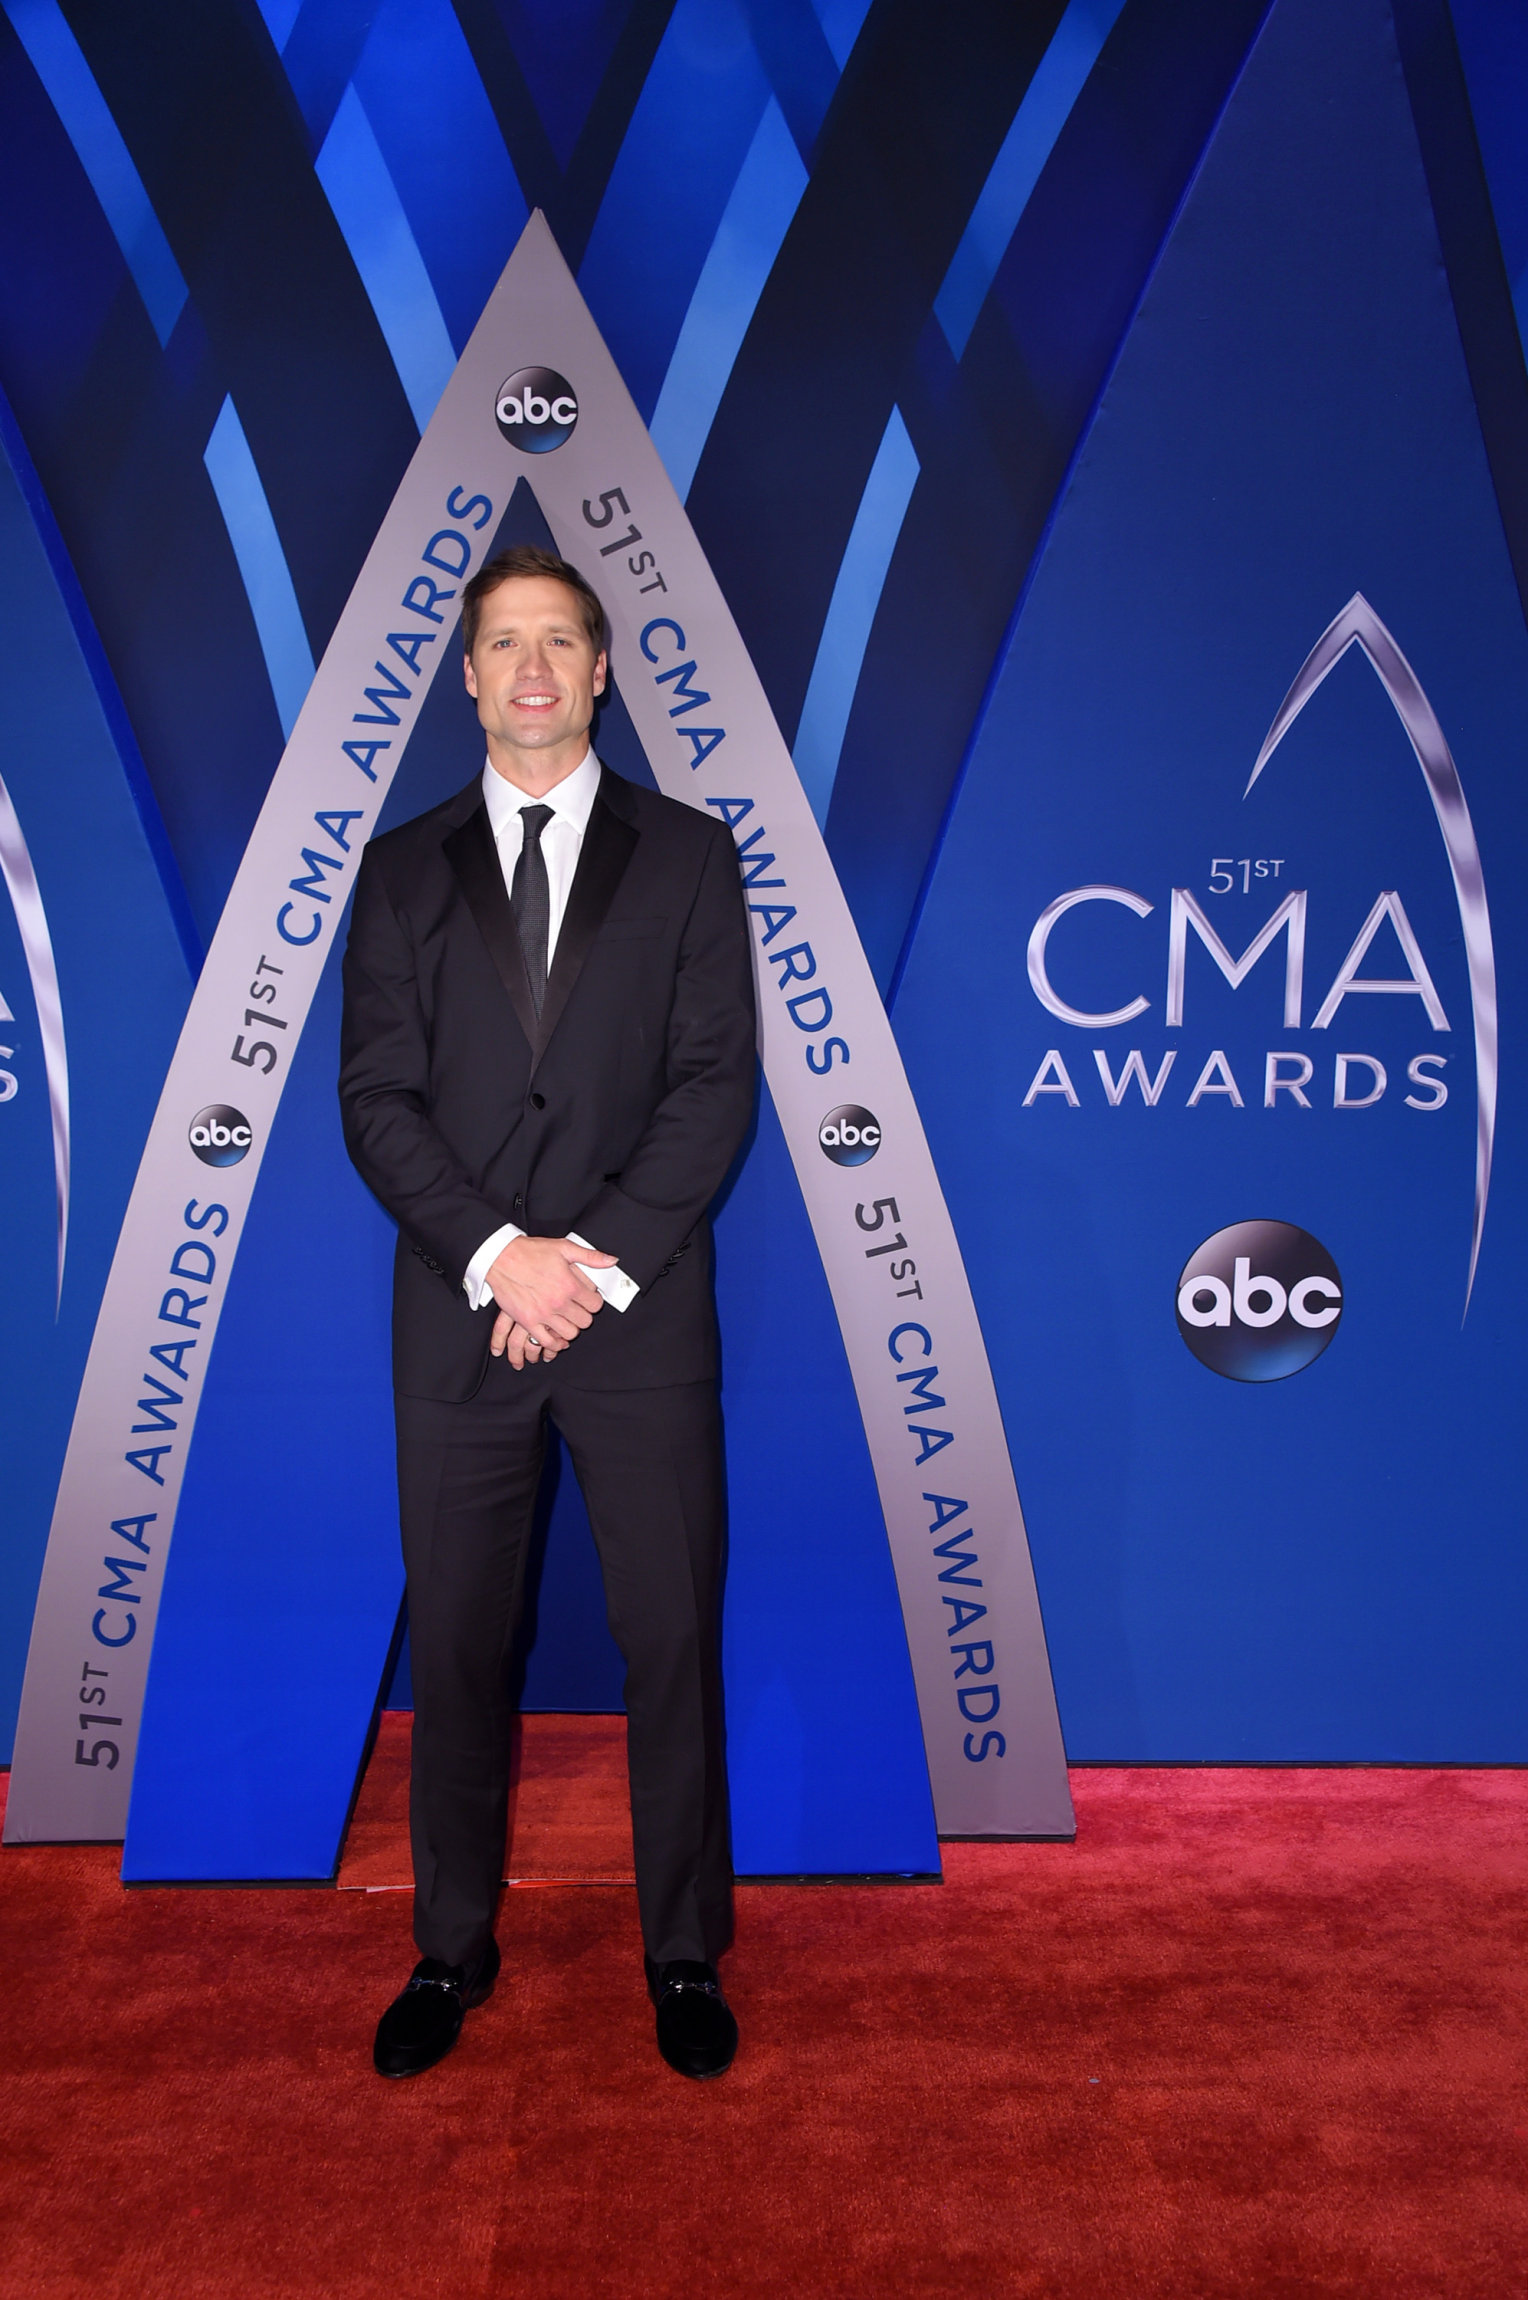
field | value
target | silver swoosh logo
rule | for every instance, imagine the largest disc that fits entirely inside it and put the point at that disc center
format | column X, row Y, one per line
column 1358, row 625
column 37, row 943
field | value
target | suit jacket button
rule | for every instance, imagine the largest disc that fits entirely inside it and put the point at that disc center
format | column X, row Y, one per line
column 538, row 1101
column 519, row 1201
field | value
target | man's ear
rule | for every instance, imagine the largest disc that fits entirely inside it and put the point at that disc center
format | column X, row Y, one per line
column 470, row 676
column 601, row 668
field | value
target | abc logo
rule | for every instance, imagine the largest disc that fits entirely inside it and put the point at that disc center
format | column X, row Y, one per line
column 1258, row 1301
column 850, row 1135
column 536, row 409
column 220, row 1135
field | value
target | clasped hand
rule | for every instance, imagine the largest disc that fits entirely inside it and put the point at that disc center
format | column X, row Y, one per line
column 544, row 1300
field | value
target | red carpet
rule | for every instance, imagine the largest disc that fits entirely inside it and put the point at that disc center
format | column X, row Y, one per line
column 569, row 1817
column 1257, row 2033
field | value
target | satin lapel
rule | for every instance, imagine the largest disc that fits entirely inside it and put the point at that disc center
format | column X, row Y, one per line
column 474, row 858
column 607, row 849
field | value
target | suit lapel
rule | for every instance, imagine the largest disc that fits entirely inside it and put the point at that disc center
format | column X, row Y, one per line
column 607, row 849
column 475, row 860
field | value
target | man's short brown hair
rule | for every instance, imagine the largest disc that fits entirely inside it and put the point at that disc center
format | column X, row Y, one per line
column 529, row 559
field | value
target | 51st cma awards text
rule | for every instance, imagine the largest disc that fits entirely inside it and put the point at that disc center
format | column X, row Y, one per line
column 1357, row 1080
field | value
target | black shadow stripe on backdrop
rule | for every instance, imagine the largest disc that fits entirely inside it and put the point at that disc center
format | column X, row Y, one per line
column 903, row 156
column 515, row 54
column 996, row 438
column 798, row 64
column 217, row 137
column 530, row 149
column 319, row 58
column 115, row 430
column 1472, row 257
column 604, row 131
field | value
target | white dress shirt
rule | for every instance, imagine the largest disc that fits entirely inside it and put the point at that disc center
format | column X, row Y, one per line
column 571, row 802
column 562, row 841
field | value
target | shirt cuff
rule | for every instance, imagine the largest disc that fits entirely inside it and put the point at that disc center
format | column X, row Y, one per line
column 475, row 1278
column 614, row 1288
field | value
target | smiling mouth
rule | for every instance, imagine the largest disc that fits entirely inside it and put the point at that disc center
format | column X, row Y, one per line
column 535, row 702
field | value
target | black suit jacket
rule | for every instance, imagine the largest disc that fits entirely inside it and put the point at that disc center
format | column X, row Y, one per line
column 617, row 1115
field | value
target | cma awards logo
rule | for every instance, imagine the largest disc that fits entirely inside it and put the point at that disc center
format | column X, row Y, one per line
column 1259, row 1301
column 1353, row 1080
column 220, row 1135
column 536, row 409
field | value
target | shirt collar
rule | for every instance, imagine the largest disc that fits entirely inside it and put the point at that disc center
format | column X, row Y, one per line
column 571, row 800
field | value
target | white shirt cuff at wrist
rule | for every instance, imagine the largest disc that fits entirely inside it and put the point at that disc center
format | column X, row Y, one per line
column 475, row 1278
column 614, row 1288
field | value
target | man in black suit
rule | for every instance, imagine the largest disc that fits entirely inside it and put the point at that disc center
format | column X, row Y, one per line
column 547, row 1068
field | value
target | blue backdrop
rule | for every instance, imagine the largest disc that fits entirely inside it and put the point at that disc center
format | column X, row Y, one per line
column 1039, row 393
column 1329, row 1566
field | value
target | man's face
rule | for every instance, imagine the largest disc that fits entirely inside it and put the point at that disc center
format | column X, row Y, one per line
column 534, row 673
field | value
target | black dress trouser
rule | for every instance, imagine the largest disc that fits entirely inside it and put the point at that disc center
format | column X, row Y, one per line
column 649, row 1464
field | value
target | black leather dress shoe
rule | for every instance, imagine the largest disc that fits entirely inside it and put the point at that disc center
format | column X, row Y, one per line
column 696, row 2032
column 420, row 2027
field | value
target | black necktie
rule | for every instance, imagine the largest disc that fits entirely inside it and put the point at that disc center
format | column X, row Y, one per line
column 531, row 902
